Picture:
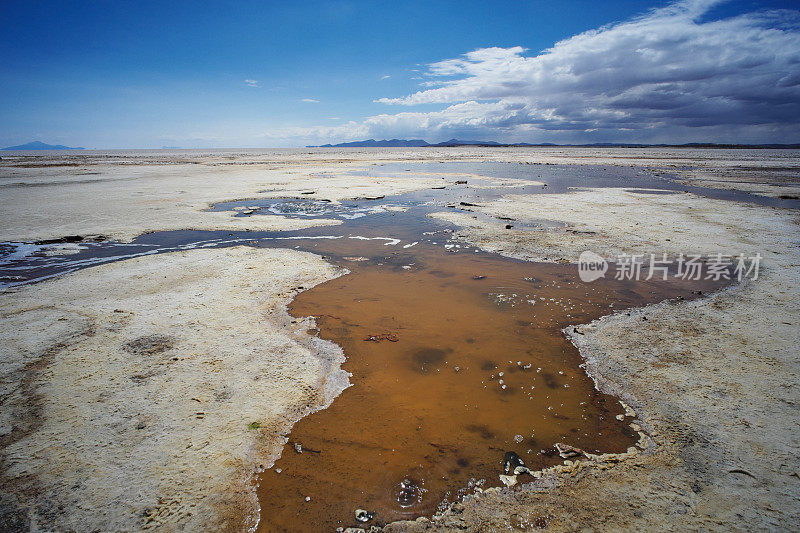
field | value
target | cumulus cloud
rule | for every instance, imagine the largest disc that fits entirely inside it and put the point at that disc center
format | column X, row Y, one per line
column 251, row 83
column 674, row 74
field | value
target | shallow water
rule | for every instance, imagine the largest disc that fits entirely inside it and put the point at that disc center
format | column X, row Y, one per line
column 451, row 370
column 22, row 262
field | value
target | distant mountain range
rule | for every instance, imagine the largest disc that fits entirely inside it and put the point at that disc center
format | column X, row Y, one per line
column 404, row 143
column 419, row 143
column 39, row 145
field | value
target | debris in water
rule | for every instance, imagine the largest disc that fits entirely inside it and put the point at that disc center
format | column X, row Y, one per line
column 511, row 461
column 391, row 337
column 364, row 516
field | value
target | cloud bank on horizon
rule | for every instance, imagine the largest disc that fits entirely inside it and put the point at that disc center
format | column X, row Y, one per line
column 674, row 74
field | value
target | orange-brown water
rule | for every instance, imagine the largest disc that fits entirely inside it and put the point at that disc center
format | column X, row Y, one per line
column 457, row 372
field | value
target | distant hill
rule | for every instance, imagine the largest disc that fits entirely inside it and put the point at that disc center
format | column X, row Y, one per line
column 457, row 142
column 39, row 145
column 405, row 143
column 371, row 143
column 419, row 143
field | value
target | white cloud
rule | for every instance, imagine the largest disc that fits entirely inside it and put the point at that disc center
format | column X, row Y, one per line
column 251, row 83
column 385, row 77
column 671, row 75
column 310, row 100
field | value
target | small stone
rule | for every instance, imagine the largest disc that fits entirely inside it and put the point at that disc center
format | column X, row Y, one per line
column 508, row 481
column 364, row 516
column 511, row 461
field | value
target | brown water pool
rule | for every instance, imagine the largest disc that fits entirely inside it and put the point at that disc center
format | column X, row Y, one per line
column 456, row 359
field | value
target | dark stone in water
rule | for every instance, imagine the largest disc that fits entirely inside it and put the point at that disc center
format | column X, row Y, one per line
column 510, row 462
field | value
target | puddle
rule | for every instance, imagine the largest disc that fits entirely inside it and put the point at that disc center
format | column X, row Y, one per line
column 562, row 178
column 455, row 361
column 457, row 355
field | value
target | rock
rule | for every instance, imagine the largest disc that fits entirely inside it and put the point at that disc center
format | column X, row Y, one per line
column 508, row 481
column 566, row 451
column 510, row 462
column 364, row 516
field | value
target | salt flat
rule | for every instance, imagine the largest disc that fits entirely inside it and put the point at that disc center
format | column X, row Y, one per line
column 103, row 429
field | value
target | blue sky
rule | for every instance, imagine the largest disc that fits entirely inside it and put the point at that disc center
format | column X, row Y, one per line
column 260, row 74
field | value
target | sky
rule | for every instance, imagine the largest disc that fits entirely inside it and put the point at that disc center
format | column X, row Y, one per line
column 200, row 74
